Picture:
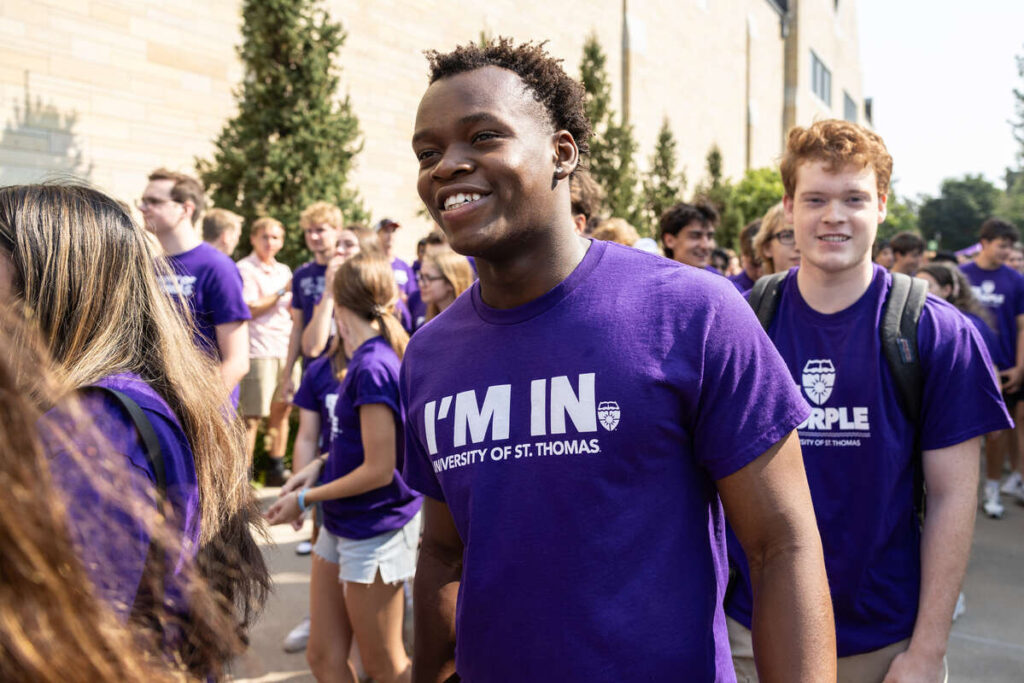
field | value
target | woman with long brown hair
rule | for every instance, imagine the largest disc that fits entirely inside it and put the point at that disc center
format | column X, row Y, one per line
column 366, row 549
column 78, row 269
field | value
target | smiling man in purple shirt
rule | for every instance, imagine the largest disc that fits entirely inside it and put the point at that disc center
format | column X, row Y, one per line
column 575, row 470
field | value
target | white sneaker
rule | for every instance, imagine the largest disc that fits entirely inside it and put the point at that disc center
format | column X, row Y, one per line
column 993, row 508
column 1011, row 485
column 303, row 548
column 296, row 640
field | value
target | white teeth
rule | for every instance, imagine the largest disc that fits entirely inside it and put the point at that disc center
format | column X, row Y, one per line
column 834, row 238
column 459, row 199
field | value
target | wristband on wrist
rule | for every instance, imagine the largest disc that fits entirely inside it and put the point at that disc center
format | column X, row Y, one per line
column 302, row 500
column 281, row 292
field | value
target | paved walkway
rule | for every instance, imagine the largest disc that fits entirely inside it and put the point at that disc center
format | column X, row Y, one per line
column 987, row 645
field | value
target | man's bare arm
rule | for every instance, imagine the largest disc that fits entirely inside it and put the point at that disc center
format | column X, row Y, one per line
column 233, row 344
column 287, row 388
column 768, row 505
column 438, row 574
column 951, row 475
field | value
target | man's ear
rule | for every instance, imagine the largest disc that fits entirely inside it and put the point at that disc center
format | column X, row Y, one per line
column 883, row 207
column 787, row 209
column 669, row 240
column 566, row 154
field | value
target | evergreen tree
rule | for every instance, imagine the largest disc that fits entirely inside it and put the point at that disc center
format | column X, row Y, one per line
column 663, row 186
column 612, row 146
column 1018, row 123
column 715, row 190
column 292, row 142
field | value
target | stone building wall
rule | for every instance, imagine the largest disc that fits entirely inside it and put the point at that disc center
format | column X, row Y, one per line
column 110, row 89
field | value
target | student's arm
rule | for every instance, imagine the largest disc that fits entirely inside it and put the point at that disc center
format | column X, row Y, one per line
column 233, row 344
column 287, row 388
column 768, row 504
column 951, row 477
column 438, row 574
column 305, row 450
column 377, row 424
column 318, row 331
column 263, row 305
column 1013, row 377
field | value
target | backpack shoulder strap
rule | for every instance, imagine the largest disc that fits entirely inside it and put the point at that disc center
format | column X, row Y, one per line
column 900, row 316
column 764, row 297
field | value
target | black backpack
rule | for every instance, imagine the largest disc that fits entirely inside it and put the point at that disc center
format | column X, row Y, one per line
column 900, row 316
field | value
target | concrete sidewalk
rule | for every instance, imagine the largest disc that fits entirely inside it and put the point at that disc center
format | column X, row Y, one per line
column 987, row 645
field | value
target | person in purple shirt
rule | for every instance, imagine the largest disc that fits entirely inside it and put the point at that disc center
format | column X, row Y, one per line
column 106, row 324
column 579, row 417
column 894, row 583
column 367, row 547
column 687, row 234
column 205, row 281
column 405, row 277
column 750, row 262
column 1001, row 289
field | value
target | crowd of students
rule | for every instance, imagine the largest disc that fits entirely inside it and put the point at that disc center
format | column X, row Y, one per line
column 595, row 462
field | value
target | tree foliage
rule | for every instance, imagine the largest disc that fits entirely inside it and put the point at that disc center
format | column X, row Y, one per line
column 952, row 219
column 663, row 184
column 293, row 141
column 759, row 190
column 612, row 147
column 901, row 216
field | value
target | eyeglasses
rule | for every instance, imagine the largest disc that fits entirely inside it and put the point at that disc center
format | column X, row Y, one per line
column 143, row 202
column 785, row 237
column 423, row 277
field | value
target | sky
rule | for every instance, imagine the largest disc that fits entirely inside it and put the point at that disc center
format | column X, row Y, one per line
column 941, row 73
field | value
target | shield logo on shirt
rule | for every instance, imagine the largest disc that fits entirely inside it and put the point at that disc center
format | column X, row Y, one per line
column 608, row 414
column 818, row 379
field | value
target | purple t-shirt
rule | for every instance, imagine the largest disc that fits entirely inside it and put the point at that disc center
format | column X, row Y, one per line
column 988, row 335
column 405, row 277
column 577, row 450
column 858, row 449
column 318, row 392
column 308, row 284
column 112, row 544
column 211, row 286
column 742, row 281
column 417, row 310
column 371, row 378
column 1002, row 292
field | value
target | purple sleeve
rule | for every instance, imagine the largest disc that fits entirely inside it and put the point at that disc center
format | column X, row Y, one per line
column 417, row 470
column 224, row 295
column 296, row 290
column 1018, row 297
column 306, row 395
column 375, row 382
column 748, row 400
column 961, row 398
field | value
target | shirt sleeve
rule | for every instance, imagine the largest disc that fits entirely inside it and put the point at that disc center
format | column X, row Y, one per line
column 306, row 395
column 748, row 400
column 961, row 398
column 224, row 294
column 375, row 382
column 296, row 290
column 417, row 470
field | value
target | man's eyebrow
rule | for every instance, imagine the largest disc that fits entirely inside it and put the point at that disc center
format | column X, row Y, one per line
column 469, row 119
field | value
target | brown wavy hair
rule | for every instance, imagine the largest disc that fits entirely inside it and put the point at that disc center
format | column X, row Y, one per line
column 86, row 281
column 838, row 144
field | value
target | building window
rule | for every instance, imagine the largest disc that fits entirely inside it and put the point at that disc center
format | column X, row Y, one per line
column 849, row 108
column 821, row 79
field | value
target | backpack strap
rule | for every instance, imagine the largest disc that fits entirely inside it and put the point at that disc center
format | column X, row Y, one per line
column 149, row 596
column 900, row 317
column 764, row 297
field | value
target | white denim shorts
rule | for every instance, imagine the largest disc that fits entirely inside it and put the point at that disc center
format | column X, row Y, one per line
column 393, row 554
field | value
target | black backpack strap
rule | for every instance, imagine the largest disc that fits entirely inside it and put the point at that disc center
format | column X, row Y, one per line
column 764, row 297
column 149, row 596
column 900, row 317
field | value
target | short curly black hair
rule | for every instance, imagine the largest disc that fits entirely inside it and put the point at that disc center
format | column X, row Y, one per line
column 561, row 95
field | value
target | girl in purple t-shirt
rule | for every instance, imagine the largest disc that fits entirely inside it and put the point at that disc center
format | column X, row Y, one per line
column 367, row 547
column 79, row 271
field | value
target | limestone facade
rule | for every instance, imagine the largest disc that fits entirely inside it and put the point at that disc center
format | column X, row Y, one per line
column 110, row 89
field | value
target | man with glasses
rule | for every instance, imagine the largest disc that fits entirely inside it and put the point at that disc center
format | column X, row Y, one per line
column 204, row 280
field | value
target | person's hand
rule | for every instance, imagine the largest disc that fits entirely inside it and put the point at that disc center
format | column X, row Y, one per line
column 284, row 510
column 912, row 667
column 304, row 478
column 332, row 269
column 287, row 386
column 1011, row 379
